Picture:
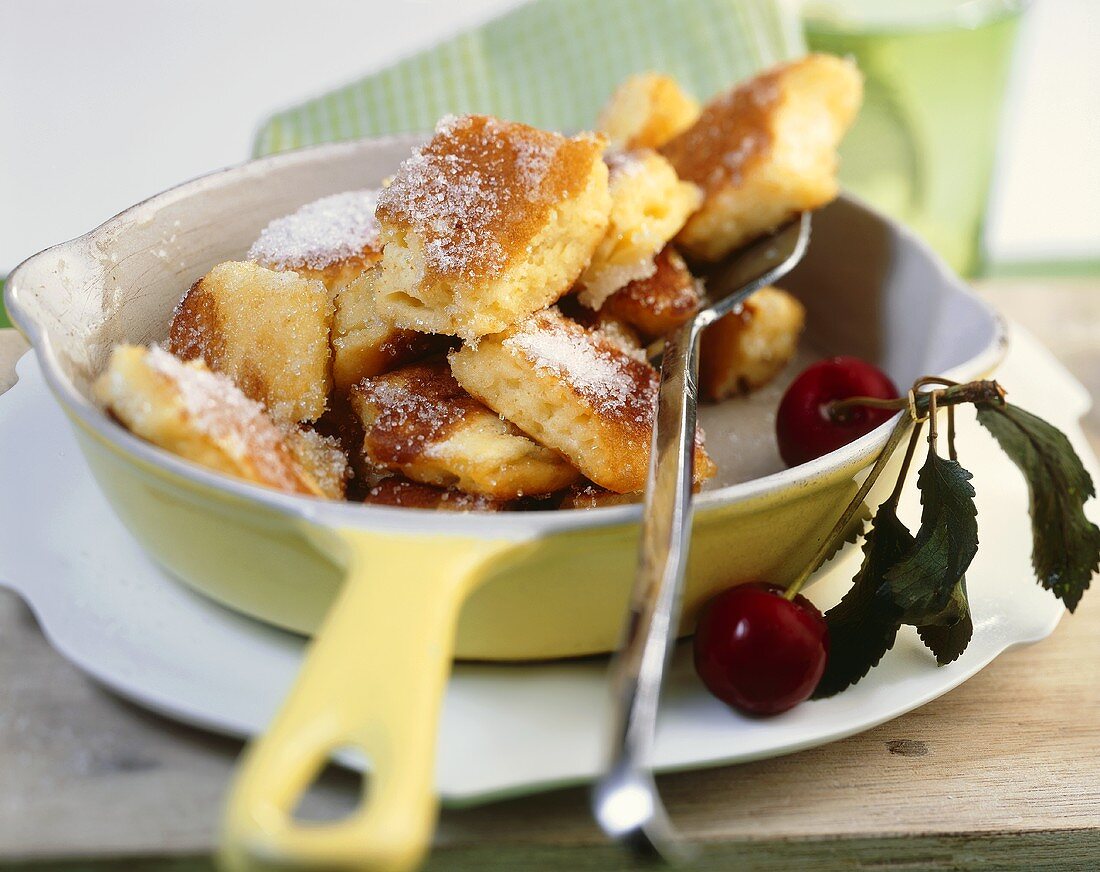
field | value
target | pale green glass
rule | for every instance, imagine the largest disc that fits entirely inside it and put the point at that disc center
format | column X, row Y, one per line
column 924, row 145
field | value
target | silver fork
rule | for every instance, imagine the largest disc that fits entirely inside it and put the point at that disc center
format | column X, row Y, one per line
column 625, row 800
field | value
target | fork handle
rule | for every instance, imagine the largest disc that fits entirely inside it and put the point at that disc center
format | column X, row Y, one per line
column 639, row 666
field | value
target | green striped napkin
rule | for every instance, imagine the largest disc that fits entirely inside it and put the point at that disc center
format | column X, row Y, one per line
column 551, row 63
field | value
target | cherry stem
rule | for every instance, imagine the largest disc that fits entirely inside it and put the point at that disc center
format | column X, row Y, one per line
column 951, row 452
column 927, row 403
column 899, row 485
column 953, row 395
column 933, row 430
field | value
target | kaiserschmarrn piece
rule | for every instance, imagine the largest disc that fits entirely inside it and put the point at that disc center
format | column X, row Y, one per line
column 203, row 417
column 365, row 343
column 764, row 151
column 321, row 457
column 418, row 421
column 332, row 239
column 488, row 222
column 267, row 330
column 646, row 111
column 750, row 346
column 396, row 490
column 649, row 205
column 574, row 391
column 660, row 302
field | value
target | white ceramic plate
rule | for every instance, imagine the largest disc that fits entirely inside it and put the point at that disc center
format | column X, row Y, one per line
column 505, row 729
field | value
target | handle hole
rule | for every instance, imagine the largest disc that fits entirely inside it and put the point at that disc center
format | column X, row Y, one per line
column 336, row 792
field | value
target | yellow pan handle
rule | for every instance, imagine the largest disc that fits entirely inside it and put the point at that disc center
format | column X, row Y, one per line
column 373, row 679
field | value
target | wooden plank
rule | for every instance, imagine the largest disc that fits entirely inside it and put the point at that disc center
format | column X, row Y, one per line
column 1031, row 850
column 1061, row 850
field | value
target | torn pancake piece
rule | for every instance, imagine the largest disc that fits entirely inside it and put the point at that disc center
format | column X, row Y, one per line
column 660, row 302
column 747, row 348
column 649, row 205
column 322, row 457
column 573, row 390
column 332, row 239
column 489, row 221
column 266, row 330
column 419, row 421
column 201, row 416
column 764, row 151
column 646, row 111
column 365, row 343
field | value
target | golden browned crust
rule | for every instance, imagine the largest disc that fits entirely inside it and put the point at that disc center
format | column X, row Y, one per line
column 573, row 390
column 747, row 348
column 731, row 135
column 765, row 150
column 267, row 330
column 203, row 417
column 418, row 421
column 662, row 301
column 646, row 111
column 487, row 222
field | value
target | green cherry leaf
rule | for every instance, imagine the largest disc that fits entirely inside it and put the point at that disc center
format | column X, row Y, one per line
column 947, row 639
column 864, row 624
column 921, row 585
column 1065, row 544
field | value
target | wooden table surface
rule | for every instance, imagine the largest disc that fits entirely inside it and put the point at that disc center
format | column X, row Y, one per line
column 1003, row 772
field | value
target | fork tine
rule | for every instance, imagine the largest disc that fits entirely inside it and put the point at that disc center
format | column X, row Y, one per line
column 756, row 265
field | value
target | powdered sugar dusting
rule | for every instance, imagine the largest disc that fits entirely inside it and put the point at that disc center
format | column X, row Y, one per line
column 619, row 334
column 613, row 277
column 532, row 165
column 320, row 233
column 323, row 457
column 460, row 190
column 615, row 382
column 623, row 163
column 218, row 409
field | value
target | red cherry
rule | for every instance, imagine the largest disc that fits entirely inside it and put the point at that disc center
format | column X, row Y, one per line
column 803, row 425
column 758, row 651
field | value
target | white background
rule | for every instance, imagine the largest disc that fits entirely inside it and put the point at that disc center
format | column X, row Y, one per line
column 103, row 103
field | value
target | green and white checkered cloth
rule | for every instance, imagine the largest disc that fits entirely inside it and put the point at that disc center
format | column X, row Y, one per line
column 551, row 63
